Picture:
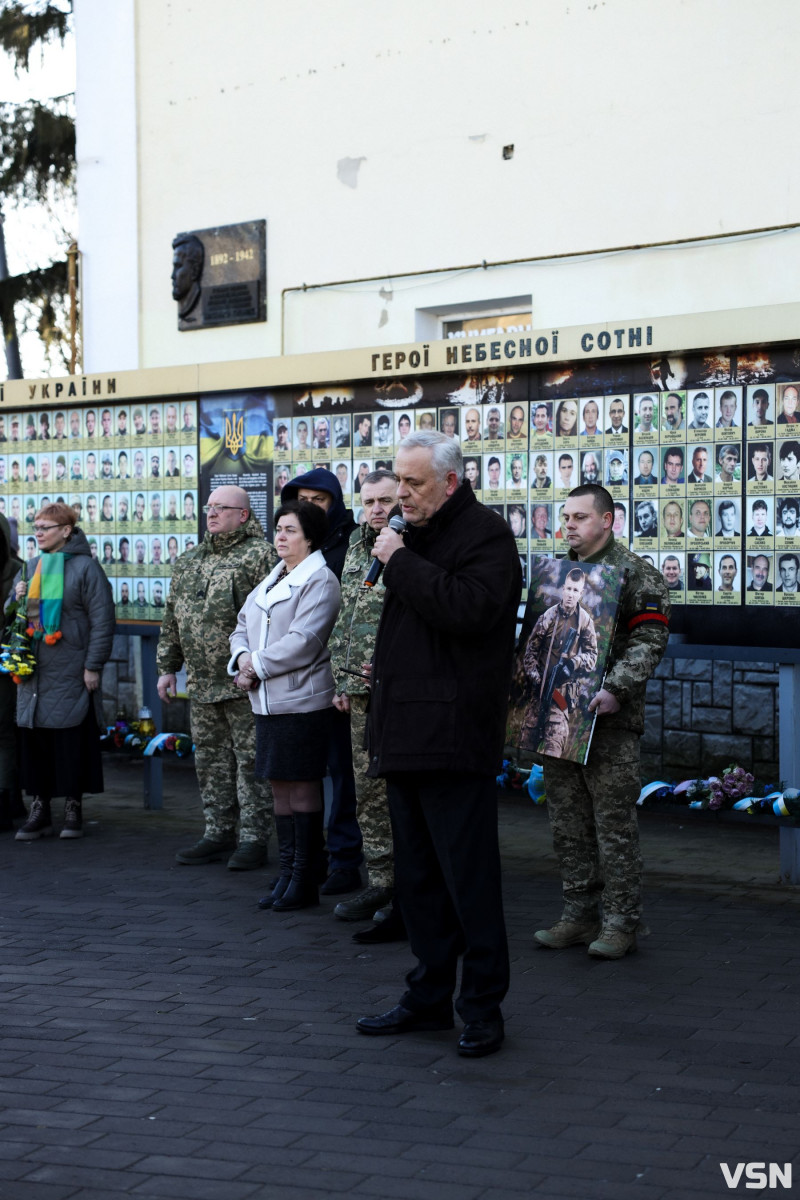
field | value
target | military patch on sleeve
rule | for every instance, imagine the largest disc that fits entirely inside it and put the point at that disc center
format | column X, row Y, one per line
column 650, row 611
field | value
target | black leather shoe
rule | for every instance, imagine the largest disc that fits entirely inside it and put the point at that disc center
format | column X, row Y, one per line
column 341, row 880
column 403, row 1020
column 481, row 1037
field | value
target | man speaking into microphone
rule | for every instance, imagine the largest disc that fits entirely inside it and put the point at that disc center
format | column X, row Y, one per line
column 440, row 681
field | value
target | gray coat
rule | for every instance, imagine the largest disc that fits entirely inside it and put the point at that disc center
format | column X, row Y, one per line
column 286, row 629
column 55, row 696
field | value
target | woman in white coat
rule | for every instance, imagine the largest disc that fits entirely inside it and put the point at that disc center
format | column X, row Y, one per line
column 279, row 654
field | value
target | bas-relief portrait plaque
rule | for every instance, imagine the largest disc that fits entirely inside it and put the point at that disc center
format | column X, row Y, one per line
column 219, row 276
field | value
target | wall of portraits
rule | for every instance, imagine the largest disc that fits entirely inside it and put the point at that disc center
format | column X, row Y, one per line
column 129, row 470
column 701, row 454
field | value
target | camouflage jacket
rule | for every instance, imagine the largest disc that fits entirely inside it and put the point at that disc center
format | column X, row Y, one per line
column 353, row 639
column 641, row 636
column 545, row 648
column 209, row 585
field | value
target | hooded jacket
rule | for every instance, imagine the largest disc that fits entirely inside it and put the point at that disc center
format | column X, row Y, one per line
column 210, row 583
column 340, row 519
column 55, row 696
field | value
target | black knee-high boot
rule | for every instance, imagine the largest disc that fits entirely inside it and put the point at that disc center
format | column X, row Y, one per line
column 284, row 828
column 303, row 891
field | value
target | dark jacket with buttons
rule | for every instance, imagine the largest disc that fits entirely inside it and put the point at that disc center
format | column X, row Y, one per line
column 443, row 656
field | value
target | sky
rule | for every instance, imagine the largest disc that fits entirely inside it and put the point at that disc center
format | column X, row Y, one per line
column 37, row 235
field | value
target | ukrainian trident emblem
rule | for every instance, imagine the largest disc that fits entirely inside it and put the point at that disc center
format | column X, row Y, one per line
column 234, row 435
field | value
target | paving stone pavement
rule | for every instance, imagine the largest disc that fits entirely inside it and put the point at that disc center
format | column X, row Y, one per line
column 162, row 1038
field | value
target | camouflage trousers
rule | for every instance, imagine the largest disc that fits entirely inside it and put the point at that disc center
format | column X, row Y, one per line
column 225, row 750
column 592, row 813
column 372, row 806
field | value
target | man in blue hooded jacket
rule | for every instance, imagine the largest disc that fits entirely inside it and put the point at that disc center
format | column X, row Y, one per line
column 321, row 487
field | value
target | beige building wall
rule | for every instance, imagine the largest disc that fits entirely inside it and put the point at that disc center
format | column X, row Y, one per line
column 371, row 140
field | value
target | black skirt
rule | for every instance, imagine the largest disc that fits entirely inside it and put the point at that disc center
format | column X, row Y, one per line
column 292, row 746
column 62, row 762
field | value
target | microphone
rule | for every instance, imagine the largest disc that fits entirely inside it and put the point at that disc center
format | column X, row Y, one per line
column 374, row 573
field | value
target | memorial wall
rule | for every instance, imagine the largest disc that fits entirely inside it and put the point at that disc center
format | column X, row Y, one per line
column 130, row 471
column 700, row 451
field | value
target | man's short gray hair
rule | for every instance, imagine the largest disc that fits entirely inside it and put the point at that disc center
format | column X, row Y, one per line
column 446, row 453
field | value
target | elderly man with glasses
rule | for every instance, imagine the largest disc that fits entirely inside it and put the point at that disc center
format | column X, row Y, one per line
column 210, row 583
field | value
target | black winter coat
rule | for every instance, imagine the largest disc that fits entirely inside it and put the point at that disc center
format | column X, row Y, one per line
column 445, row 646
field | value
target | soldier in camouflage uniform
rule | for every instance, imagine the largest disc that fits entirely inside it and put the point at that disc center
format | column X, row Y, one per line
column 548, row 732
column 592, row 808
column 352, row 644
column 210, row 583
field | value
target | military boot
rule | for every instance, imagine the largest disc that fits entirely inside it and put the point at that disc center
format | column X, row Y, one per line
column 248, row 856
column 204, row 851
column 613, row 943
column 568, row 933
column 39, row 823
column 362, row 906
column 303, row 889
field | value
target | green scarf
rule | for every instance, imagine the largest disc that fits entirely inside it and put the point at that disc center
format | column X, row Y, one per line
column 45, row 598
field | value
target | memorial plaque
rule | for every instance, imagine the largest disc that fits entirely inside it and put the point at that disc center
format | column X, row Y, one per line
column 219, row 276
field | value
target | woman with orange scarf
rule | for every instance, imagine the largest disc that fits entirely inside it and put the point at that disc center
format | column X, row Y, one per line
column 70, row 612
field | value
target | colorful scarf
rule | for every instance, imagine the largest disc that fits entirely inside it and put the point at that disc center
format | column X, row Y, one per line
column 45, row 597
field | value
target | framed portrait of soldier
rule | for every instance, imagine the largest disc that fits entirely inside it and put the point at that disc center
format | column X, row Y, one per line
column 760, row 522
column 700, row 415
column 541, row 474
column 787, row 482
column 787, row 591
column 494, row 487
column 565, row 424
column 760, row 407
column 645, row 525
column 566, row 472
column 645, row 479
column 591, row 435
column 494, row 431
column 787, row 523
column 540, row 529
column 617, row 420
column 562, row 655
column 727, row 524
column 699, row 526
column 699, row 469
column 282, row 440
column 728, row 575
column 699, row 577
column 517, row 426
column 472, row 473
column 541, row 424
column 673, row 572
column 728, row 413
column 517, row 521
column 516, row 475
column 759, row 587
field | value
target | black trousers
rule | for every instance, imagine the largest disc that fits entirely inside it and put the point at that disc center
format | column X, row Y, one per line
column 448, row 886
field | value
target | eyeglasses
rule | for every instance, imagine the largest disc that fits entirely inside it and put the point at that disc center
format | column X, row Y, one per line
column 210, row 509
column 44, row 528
